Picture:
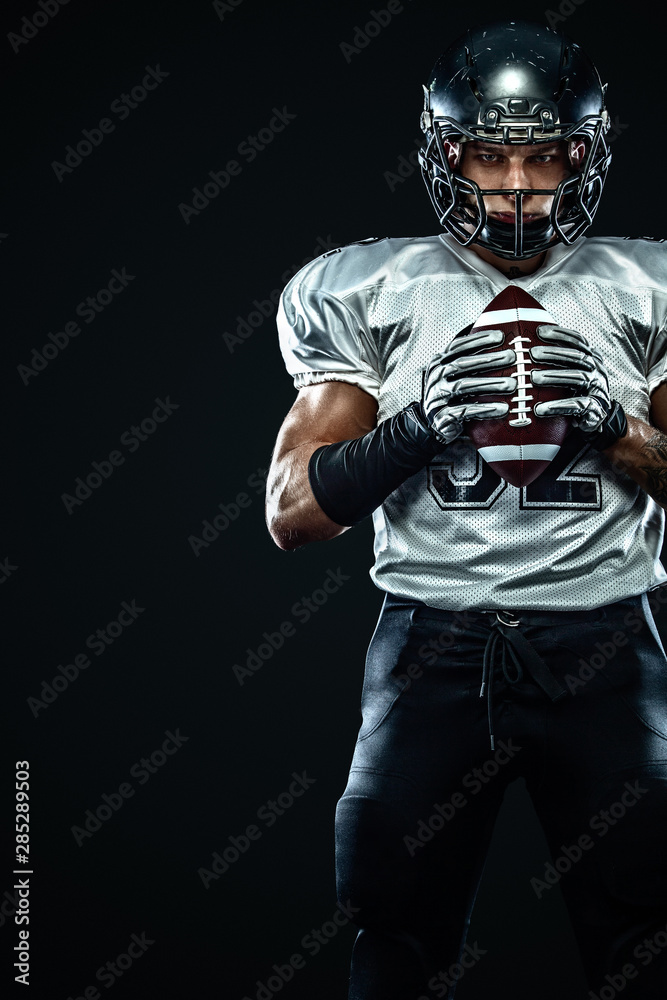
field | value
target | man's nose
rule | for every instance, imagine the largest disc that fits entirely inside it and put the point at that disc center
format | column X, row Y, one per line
column 516, row 176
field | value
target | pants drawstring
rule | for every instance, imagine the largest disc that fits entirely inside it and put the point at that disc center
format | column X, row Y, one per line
column 515, row 648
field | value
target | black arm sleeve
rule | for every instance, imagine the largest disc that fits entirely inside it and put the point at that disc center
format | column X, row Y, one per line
column 351, row 478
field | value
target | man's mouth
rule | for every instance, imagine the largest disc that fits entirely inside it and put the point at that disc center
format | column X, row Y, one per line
column 509, row 217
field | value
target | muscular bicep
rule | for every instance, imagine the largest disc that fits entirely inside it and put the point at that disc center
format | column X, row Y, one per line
column 322, row 414
column 326, row 413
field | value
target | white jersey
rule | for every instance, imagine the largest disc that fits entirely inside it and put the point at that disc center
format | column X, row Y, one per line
column 456, row 535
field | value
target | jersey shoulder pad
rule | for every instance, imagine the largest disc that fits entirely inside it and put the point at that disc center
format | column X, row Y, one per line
column 356, row 243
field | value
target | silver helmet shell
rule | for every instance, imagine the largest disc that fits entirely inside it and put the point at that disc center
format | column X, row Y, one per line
column 514, row 83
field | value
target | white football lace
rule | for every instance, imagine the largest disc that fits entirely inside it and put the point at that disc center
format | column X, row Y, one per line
column 522, row 399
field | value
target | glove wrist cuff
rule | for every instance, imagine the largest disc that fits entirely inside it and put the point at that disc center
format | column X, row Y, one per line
column 611, row 430
column 425, row 438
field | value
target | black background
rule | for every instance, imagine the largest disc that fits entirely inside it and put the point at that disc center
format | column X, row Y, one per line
column 161, row 337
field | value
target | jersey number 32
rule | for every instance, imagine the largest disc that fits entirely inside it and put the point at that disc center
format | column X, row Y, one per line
column 559, row 487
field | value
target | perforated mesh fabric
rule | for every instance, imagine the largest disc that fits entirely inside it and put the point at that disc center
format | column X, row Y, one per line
column 455, row 535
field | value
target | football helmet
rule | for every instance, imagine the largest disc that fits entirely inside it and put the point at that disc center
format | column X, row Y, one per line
column 514, row 83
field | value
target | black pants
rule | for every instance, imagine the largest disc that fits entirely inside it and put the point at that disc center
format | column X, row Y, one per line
column 580, row 711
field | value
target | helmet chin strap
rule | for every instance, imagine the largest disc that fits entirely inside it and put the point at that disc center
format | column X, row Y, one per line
column 518, row 240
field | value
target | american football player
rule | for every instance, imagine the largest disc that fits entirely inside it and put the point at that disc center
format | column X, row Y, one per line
column 516, row 636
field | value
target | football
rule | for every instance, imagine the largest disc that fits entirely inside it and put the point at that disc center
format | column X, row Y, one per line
column 519, row 446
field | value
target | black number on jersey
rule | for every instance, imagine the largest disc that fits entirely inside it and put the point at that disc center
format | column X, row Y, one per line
column 450, row 488
column 558, row 488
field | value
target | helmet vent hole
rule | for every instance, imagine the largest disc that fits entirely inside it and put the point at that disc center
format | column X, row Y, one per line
column 475, row 89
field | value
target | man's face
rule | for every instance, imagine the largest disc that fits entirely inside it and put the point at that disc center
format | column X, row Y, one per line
column 491, row 165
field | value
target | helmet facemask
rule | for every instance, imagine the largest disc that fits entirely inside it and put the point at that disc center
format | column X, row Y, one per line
column 514, row 120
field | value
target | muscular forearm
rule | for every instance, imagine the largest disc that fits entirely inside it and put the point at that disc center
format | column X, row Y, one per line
column 345, row 480
column 293, row 515
column 642, row 455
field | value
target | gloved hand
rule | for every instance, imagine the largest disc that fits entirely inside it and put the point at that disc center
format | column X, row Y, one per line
column 583, row 370
column 601, row 419
column 454, row 374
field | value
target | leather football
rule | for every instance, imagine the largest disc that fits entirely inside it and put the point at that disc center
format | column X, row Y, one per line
column 519, row 446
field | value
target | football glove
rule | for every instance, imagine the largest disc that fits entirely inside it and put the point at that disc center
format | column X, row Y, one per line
column 455, row 374
column 583, row 370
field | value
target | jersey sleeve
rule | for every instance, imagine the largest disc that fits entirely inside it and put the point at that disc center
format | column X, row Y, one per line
column 656, row 352
column 323, row 333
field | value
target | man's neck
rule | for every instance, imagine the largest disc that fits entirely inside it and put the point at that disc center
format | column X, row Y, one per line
column 511, row 268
